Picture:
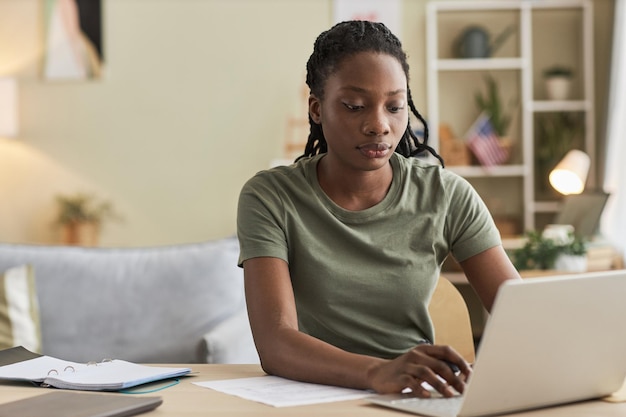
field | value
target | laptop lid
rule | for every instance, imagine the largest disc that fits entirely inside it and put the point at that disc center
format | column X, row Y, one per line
column 550, row 341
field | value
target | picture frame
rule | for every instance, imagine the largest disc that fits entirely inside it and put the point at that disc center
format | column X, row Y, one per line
column 583, row 212
column 73, row 48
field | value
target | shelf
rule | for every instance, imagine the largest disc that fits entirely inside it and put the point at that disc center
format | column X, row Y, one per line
column 488, row 5
column 558, row 4
column 547, row 31
column 479, row 64
column 546, row 206
column 554, row 105
column 496, row 171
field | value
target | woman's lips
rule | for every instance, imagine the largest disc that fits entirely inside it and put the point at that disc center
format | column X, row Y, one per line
column 374, row 150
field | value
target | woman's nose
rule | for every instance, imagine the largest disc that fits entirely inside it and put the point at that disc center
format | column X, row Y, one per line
column 376, row 124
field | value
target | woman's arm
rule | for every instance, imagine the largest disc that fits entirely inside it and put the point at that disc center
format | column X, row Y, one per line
column 287, row 352
column 486, row 271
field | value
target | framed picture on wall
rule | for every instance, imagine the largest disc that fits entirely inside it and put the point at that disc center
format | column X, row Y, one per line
column 73, row 39
column 583, row 211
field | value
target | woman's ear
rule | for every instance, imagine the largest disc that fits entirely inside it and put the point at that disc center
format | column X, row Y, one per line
column 315, row 109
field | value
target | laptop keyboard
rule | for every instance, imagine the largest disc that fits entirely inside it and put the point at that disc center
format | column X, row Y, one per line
column 438, row 406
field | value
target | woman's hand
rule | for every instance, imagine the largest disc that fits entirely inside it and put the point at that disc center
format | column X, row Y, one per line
column 424, row 363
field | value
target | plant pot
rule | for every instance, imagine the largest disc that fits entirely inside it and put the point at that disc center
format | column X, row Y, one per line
column 558, row 88
column 571, row 263
column 80, row 234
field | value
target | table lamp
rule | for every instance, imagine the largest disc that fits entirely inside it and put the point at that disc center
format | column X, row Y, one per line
column 570, row 174
column 8, row 107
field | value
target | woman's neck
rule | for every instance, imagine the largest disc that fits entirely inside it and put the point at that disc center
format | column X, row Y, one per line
column 351, row 189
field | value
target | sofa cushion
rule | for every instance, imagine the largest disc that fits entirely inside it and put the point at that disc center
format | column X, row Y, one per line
column 230, row 342
column 148, row 305
column 19, row 310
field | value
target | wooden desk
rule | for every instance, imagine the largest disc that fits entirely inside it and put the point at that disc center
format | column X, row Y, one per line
column 459, row 278
column 189, row 400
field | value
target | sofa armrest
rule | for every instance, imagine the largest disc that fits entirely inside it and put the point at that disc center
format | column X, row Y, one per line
column 229, row 342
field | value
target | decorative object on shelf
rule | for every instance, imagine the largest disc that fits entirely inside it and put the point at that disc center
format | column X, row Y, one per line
column 570, row 174
column 570, row 263
column 297, row 130
column 583, row 211
column 485, row 144
column 558, row 82
column 571, row 257
column 542, row 250
column 453, row 150
column 508, row 226
column 504, row 217
column 8, row 107
column 602, row 256
column 557, row 133
column 80, row 217
column 475, row 42
column 491, row 103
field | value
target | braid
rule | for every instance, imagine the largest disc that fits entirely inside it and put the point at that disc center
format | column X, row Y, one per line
column 423, row 145
column 314, row 144
column 339, row 42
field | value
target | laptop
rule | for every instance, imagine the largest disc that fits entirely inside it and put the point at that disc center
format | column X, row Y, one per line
column 548, row 341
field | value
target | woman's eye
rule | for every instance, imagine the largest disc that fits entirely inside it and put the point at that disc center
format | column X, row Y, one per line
column 352, row 107
column 395, row 109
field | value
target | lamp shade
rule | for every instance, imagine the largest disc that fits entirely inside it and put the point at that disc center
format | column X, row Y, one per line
column 8, row 107
column 569, row 175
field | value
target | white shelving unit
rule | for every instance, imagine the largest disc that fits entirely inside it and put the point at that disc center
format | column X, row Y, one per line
column 522, row 65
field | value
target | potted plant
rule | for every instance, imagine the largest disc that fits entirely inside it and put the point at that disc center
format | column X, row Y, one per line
column 492, row 105
column 556, row 248
column 80, row 217
column 557, row 133
column 558, row 82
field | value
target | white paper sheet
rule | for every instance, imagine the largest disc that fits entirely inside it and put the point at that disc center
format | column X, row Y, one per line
column 37, row 369
column 281, row 392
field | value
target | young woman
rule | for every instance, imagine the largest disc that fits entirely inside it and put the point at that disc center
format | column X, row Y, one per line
column 342, row 250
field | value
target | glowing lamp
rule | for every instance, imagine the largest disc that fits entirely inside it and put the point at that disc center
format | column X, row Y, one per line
column 570, row 174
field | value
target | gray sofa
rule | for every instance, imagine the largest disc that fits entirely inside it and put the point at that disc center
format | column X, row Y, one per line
column 170, row 304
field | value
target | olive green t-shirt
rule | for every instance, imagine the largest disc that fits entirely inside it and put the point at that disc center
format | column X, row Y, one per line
column 363, row 279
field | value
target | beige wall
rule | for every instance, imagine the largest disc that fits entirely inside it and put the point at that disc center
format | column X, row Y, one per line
column 194, row 101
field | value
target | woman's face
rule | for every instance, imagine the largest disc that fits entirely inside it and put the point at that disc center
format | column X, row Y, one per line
column 364, row 112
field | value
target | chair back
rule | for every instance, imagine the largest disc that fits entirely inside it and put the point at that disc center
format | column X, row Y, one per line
column 451, row 319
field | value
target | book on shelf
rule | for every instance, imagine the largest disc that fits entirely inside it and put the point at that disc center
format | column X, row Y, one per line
column 601, row 257
column 20, row 364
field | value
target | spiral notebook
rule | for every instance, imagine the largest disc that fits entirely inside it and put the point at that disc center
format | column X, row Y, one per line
column 20, row 364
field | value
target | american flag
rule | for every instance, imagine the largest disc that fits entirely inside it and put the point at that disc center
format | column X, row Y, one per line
column 484, row 142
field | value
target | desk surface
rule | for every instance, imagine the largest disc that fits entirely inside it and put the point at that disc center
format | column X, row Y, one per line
column 187, row 400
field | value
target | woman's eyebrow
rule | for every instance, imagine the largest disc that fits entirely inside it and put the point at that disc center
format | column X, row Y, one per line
column 365, row 91
column 396, row 92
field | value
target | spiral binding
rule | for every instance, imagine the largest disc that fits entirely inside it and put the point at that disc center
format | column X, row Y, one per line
column 70, row 368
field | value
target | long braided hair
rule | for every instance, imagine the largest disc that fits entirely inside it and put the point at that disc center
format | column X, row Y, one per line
column 341, row 41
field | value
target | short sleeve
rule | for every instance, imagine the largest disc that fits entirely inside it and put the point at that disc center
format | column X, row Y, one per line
column 260, row 220
column 471, row 229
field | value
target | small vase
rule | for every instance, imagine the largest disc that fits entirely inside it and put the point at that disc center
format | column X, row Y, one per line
column 80, row 234
column 558, row 88
column 571, row 263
